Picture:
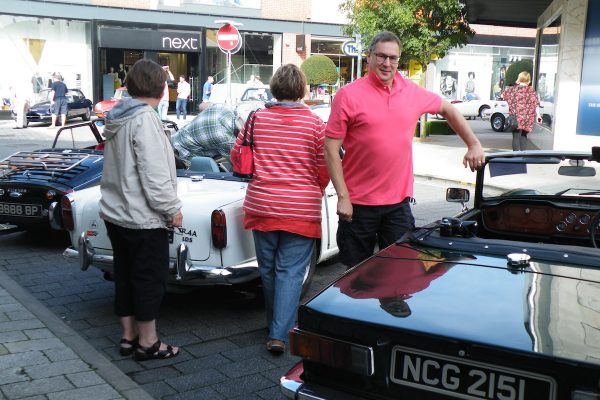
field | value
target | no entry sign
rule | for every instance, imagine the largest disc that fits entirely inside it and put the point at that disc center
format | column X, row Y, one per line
column 228, row 38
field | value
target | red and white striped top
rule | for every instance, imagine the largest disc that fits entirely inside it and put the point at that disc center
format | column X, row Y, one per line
column 290, row 172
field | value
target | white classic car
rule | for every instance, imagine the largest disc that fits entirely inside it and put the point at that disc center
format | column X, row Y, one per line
column 472, row 108
column 211, row 248
column 498, row 113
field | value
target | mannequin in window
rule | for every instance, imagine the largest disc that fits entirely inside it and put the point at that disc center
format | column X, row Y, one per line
column 122, row 74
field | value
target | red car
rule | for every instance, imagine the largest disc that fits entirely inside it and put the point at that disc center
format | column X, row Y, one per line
column 101, row 108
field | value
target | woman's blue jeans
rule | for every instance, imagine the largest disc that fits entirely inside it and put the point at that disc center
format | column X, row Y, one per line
column 283, row 258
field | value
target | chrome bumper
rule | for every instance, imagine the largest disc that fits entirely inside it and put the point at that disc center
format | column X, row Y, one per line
column 301, row 391
column 183, row 271
column 294, row 388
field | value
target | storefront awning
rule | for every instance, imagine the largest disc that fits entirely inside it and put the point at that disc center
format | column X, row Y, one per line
column 521, row 13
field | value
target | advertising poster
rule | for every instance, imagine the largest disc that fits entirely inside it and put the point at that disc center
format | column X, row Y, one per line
column 589, row 97
column 448, row 84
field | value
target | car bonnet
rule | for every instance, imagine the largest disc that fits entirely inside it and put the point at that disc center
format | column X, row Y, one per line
column 550, row 308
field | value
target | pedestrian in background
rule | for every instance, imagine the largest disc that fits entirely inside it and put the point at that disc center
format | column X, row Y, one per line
column 375, row 119
column 207, row 88
column 183, row 93
column 138, row 204
column 163, row 106
column 523, row 102
column 58, row 100
column 283, row 199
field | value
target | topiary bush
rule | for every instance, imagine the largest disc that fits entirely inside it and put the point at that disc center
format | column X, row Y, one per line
column 319, row 70
column 514, row 69
column 434, row 127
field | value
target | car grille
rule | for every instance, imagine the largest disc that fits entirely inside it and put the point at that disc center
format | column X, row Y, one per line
column 44, row 165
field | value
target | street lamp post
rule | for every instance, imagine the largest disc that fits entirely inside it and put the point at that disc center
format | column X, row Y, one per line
column 359, row 57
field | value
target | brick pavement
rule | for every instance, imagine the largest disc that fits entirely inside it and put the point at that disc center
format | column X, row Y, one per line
column 222, row 335
column 58, row 335
column 43, row 358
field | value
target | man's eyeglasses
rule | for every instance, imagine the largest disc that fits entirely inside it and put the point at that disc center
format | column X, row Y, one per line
column 382, row 57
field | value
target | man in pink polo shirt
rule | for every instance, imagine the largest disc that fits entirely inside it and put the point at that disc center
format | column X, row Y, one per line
column 374, row 118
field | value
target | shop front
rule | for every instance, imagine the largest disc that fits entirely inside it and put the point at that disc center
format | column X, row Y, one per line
column 347, row 65
column 477, row 71
column 253, row 64
column 36, row 48
column 119, row 48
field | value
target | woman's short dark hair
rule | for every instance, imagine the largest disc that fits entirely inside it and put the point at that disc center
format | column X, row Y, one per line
column 146, row 79
column 288, row 83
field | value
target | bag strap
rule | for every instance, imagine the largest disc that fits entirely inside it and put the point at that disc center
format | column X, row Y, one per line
column 249, row 129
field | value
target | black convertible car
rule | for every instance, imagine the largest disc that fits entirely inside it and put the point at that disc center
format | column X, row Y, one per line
column 77, row 106
column 501, row 302
column 32, row 183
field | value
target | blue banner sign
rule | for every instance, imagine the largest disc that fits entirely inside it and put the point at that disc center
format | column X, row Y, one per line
column 350, row 48
column 589, row 98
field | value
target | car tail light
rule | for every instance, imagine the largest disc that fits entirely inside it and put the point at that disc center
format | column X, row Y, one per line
column 218, row 229
column 332, row 352
column 67, row 213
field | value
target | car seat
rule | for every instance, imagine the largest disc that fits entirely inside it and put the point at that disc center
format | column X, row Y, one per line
column 204, row 164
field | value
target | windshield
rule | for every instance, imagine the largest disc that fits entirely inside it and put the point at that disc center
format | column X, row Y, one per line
column 121, row 94
column 533, row 176
column 262, row 94
column 43, row 96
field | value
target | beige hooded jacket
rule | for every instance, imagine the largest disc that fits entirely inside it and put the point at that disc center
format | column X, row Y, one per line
column 139, row 181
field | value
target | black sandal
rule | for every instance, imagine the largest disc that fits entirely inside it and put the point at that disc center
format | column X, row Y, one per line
column 127, row 347
column 154, row 352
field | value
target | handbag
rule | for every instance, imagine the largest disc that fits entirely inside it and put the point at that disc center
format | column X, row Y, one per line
column 511, row 123
column 242, row 156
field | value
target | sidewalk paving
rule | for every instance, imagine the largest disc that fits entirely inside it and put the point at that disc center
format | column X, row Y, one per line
column 441, row 156
column 41, row 357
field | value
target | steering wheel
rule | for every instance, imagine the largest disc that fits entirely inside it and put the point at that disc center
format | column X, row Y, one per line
column 593, row 224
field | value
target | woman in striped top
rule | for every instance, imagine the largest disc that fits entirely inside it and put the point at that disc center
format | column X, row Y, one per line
column 283, row 199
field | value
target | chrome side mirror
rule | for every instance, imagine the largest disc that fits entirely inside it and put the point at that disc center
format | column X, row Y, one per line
column 458, row 195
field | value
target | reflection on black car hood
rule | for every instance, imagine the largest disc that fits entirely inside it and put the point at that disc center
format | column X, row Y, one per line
column 548, row 307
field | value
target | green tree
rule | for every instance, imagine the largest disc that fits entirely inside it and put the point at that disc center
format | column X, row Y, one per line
column 425, row 27
column 514, row 69
column 319, row 70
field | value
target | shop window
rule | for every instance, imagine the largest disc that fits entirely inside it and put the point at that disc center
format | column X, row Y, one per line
column 547, row 70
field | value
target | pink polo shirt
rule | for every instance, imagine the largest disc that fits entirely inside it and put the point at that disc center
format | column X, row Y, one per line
column 377, row 126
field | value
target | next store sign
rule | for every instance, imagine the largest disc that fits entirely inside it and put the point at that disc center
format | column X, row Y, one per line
column 143, row 39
